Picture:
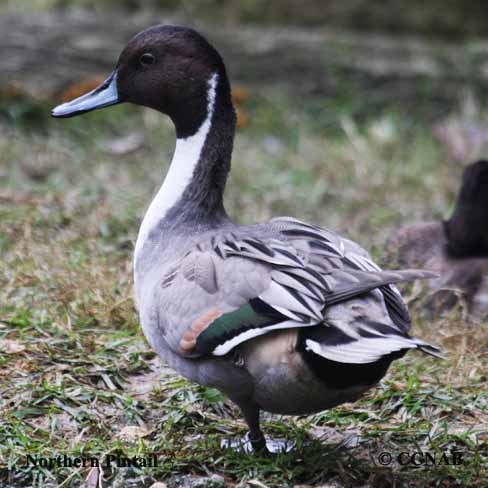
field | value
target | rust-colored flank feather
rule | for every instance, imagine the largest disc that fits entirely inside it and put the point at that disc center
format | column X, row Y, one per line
column 189, row 339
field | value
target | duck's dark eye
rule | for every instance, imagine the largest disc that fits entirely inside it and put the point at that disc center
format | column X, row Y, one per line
column 146, row 59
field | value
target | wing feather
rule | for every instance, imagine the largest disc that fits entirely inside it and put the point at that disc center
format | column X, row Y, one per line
column 299, row 274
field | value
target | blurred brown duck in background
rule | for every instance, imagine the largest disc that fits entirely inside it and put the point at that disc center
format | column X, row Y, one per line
column 457, row 248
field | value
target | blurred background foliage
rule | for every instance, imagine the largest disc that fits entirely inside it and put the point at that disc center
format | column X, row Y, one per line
column 444, row 18
column 356, row 115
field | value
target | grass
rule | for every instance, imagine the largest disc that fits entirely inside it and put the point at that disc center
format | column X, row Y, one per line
column 76, row 375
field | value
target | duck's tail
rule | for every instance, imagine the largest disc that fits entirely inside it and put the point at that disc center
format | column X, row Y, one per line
column 429, row 349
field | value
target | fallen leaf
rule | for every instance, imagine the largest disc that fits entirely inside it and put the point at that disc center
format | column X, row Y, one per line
column 77, row 89
column 93, row 478
column 133, row 432
column 11, row 346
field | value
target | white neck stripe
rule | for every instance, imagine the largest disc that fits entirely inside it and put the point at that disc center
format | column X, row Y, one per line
column 185, row 159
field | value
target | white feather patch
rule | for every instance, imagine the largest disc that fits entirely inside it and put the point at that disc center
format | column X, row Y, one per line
column 362, row 351
column 291, row 281
column 277, row 296
column 224, row 348
column 185, row 159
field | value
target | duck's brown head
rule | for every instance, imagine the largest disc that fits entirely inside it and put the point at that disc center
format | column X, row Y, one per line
column 167, row 68
column 467, row 229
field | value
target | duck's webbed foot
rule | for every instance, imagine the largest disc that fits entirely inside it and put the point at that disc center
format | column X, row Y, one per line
column 259, row 446
column 257, row 442
column 247, row 444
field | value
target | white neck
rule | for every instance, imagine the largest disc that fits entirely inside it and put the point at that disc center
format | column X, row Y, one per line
column 180, row 173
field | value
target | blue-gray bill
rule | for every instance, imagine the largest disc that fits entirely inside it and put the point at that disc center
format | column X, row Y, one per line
column 103, row 96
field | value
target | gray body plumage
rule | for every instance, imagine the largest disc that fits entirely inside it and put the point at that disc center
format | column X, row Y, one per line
column 191, row 271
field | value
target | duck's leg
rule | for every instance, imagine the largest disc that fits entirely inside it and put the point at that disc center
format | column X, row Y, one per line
column 256, row 437
column 250, row 411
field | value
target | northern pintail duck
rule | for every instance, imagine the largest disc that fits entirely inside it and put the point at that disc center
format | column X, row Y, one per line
column 280, row 316
column 457, row 248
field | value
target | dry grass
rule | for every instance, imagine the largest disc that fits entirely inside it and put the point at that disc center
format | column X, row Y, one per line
column 77, row 376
